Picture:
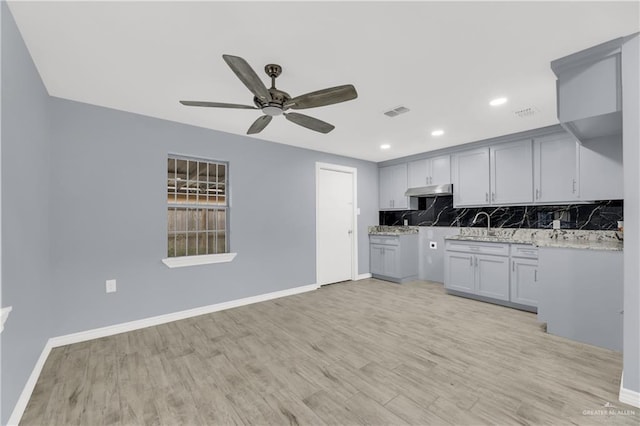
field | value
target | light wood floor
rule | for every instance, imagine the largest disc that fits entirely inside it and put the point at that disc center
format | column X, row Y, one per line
column 367, row 352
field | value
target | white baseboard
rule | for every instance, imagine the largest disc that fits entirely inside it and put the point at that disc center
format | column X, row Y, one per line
column 96, row 333
column 110, row 330
column 363, row 277
column 23, row 400
column 627, row 395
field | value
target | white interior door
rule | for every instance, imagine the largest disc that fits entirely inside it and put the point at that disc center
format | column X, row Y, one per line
column 335, row 225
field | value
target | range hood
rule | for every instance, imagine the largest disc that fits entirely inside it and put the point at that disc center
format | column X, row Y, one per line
column 430, row 190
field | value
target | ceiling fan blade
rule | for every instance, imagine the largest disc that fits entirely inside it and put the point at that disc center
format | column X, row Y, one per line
column 259, row 124
column 248, row 76
column 323, row 97
column 309, row 122
column 216, row 105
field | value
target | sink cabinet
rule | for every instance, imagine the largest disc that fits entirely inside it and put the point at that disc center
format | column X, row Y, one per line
column 477, row 268
column 496, row 272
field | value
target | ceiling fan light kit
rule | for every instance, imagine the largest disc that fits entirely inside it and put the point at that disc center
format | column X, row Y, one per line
column 273, row 102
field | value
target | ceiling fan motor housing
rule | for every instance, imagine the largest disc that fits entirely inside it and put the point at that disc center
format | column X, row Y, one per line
column 276, row 105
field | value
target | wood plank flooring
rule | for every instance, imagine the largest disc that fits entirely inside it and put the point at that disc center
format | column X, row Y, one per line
column 366, row 352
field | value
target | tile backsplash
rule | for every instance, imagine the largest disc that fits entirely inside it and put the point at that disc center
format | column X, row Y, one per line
column 439, row 211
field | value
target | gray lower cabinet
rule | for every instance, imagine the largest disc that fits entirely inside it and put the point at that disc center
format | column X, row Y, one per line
column 524, row 275
column 581, row 295
column 500, row 272
column 394, row 257
column 477, row 268
column 492, row 278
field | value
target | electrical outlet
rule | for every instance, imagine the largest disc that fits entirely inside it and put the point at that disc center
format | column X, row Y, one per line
column 406, row 222
column 556, row 224
column 111, row 286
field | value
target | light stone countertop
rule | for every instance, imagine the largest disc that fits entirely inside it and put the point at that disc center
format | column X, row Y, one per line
column 392, row 230
column 563, row 238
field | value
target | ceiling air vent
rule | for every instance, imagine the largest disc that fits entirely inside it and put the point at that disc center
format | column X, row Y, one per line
column 396, row 111
column 526, row 112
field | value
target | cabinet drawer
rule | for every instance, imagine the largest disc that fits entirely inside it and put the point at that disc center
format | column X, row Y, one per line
column 524, row 250
column 479, row 247
column 385, row 240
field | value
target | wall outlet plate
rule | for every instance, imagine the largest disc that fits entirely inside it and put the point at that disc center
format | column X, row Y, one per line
column 110, row 286
column 556, row 224
column 406, row 222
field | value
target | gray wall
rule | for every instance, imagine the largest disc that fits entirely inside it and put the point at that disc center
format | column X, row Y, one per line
column 108, row 216
column 26, row 280
column 631, row 151
column 83, row 201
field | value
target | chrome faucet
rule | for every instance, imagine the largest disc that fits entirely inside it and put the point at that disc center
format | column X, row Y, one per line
column 475, row 219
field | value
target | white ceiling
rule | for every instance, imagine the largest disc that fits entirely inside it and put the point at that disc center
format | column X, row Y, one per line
column 443, row 60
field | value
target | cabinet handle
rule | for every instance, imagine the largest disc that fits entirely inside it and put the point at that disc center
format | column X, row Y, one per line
column 486, row 197
column 573, row 187
column 537, row 194
column 427, row 179
column 470, row 260
column 430, row 179
column 476, row 262
column 513, row 265
column 493, row 196
column 535, row 275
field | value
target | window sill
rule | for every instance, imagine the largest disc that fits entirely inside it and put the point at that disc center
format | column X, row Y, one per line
column 205, row 259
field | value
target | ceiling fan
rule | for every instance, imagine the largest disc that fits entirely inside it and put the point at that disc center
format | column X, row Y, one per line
column 274, row 102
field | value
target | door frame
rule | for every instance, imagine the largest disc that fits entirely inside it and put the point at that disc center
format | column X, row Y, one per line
column 354, row 240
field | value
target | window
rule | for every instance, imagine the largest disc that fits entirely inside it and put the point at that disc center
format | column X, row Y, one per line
column 198, row 207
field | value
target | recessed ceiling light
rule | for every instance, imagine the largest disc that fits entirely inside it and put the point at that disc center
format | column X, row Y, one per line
column 385, row 146
column 437, row 132
column 498, row 101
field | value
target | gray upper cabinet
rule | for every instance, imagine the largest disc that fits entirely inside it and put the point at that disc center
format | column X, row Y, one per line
column 392, row 186
column 601, row 174
column 418, row 172
column 555, row 168
column 512, row 173
column 470, row 177
column 499, row 175
column 589, row 91
column 429, row 171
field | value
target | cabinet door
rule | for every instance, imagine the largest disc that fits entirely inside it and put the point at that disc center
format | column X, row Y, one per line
column 512, row 173
column 459, row 272
column 524, row 282
column 589, row 90
column 385, row 177
column 555, row 169
column 391, row 261
column 399, row 186
column 440, row 170
column 376, row 259
column 471, row 178
column 601, row 169
column 492, row 276
column 419, row 173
